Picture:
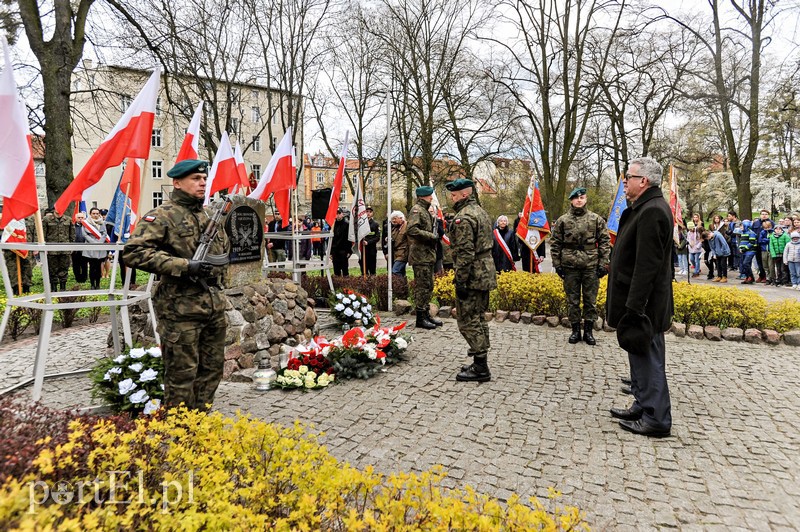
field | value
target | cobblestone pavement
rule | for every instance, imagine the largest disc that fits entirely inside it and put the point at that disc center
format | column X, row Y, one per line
column 732, row 462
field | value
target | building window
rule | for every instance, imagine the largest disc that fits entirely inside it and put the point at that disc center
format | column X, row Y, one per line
column 158, row 108
column 257, row 143
column 257, row 171
column 275, row 142
column 254, row 95
column 343, row 195
column 158, row 199
column 77, row 85
column 235, row 96
column 256, row 112
column 155, row 169
column 155, row 139
column 39, row 169
column 125, row 101
column 320, row 178
column 235, row 126
column 274, row 117
column 382, row 180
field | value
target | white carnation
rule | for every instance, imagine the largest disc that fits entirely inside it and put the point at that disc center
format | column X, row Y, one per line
column 148, row 375
column 126, row 386
column 401, row 343
column 120, row 359
column 339, row 296
column 339, row 307
column 137, row 352
column 369, row 307
column 356, row 304
column 151, row 406
column 348, row 312
column 139, row 397
column 358, row 315
column 155, row 352
column 365, row 321
column 363, row 299
column 136, row 367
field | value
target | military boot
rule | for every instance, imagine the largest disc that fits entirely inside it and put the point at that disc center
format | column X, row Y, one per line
column 575, row 337
column 422, row 320
column 478, row 371
column 433, row 320
column 588, row 332
column 63, row 286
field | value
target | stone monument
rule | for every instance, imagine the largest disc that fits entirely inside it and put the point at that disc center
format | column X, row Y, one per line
column 244, row 226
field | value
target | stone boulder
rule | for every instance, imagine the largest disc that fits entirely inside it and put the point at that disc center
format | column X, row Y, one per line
column 401, row 307
column 753, row 336
column 772, row 337
column 678, row 329
column 713, row 333
column 792, row 338
column 696, row 332
column 732, row 334
column 500, row 316
column 513, row 316
column 553, row 321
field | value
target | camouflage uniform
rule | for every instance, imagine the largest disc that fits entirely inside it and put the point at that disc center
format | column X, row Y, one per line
column 26, row 263
column 58, row 229
column 471, row 239
column 191, row 316
column 421, row 252
column 580, row 247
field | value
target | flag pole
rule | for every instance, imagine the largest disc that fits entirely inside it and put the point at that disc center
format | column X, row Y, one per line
column 389, row 200
column 19, row 275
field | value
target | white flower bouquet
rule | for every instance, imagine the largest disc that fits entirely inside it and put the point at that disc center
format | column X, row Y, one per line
column 352, row 308
column 131, row 382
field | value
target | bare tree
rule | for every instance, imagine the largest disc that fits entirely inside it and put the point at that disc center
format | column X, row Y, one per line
column 554, row 71
column 57, row 58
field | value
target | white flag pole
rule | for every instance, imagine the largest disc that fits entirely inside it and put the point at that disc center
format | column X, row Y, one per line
column 389, row 198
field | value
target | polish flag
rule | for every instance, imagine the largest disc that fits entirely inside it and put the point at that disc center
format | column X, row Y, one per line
column 17, row 177
column 437, row 209
column 333, row 203
column 131, row 185
column 189, row 148
column 533, row 226
column 241, row 170
column 131, row 137
column 279, row 177
column 223, row 173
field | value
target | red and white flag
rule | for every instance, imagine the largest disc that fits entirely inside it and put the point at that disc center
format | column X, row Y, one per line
column 17, row 177
column 533, row 226
column 132, row 182
column 16, row 231
column 279, row 177
column 437, row 209
column 189, row 148
column 333, row 203
column 131, row 137
column 359, row 221
column 504, row 246
column 674, row 202
column 223, row 173
column 241, row 170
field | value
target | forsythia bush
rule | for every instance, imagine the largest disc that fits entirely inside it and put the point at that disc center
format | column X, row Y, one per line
column 694, row 304
column 190, row 471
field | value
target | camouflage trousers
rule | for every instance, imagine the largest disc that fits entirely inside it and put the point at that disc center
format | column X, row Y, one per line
column 194, row 354
column 58, row 269
column 26, row 270
column 471, row 320
column 423, row 286
column 575, row 283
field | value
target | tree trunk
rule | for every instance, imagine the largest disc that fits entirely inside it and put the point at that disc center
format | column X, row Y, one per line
column 58, row 127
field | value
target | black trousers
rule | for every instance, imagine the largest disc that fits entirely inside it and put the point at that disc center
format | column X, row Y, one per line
column 340, row 264
column 649, row 384
column 79, row 266
column 370, row 260
column 95, row 271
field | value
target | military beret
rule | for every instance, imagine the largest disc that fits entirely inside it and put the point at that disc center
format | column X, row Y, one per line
column 341, row 210
column 369, row 208
column 577, row 191
column 188, row 167
column 459, row 184
column 424, row 191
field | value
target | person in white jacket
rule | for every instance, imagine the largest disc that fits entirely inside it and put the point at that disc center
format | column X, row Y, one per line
column 94, row 231
column 791, row 257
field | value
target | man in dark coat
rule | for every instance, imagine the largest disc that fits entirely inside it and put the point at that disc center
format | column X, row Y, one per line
column 369, row 246
column 639, row 300
column 341, row 247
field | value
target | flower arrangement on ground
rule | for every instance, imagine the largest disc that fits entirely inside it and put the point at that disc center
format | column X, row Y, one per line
column 352, row 308
column 361, row 353
column 308, row 370
column 388, row 340
column 131, row 382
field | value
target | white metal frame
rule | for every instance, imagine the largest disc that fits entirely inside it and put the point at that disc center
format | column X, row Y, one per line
column 121, row 297
column 296, row 266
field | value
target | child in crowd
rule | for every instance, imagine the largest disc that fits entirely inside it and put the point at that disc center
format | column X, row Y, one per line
column 720, row 251
column 682, row 249
column 763, row 245
column 791, row 256
column 695, row 239
column 777, row 243
column 748, row 244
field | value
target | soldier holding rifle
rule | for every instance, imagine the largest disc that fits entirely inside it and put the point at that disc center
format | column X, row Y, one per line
column 180, row 242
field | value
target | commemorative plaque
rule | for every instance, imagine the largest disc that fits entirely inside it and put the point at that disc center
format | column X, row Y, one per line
column 244, row 226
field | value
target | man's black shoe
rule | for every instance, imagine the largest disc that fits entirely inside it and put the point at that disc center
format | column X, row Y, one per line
column 575, row 337
column 631, row 414
column 474, row 373
column 625, row 380
column 644, row 428
column 433, row 320
column 422, row 320
column 626, row 389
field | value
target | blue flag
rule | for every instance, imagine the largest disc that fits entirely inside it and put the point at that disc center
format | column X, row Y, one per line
column 620, row 204
column 121, row 231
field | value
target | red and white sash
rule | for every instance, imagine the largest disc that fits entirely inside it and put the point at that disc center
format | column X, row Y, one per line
column 499, row 238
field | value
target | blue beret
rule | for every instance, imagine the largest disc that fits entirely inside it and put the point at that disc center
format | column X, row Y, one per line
column 188, row 167
column 459, row 184
column 424, row 191
column 577, row 191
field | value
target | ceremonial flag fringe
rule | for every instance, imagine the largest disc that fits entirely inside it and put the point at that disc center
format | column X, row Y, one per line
column 190, row 147
column 279, row 177
column 619, row 205
column 223, row 173
column 333, row 203
column 131, row 137
column 17, row 176
column 359, row 222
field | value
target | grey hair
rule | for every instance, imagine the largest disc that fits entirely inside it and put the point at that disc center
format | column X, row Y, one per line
column 650, row 168
column 397, row 214
column 502, row 217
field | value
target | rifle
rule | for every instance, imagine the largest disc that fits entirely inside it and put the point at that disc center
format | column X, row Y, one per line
column 210, row 232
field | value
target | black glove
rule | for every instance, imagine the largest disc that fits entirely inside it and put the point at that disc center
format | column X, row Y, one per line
column 461, row 291
column 560, row 272
column 601, row 272
column 200, row 268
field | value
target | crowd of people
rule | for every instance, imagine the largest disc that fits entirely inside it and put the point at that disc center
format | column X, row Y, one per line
column 757, row 251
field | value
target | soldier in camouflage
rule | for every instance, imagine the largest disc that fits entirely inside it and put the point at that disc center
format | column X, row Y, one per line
column 422, row 255
column 471, row 239
column 188, row 300
column 58, row 229
column 580, row 249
